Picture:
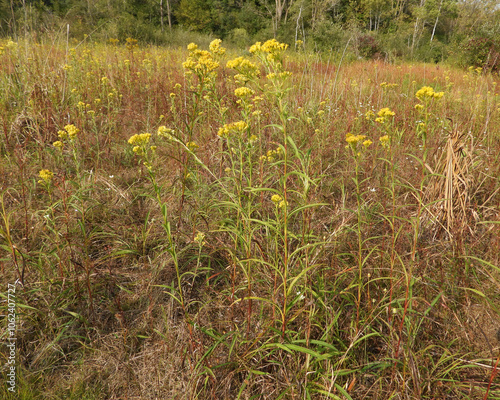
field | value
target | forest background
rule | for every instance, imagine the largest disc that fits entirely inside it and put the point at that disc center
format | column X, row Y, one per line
column 464, row 32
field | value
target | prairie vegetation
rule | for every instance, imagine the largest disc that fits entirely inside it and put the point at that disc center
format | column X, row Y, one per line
column 208, row 223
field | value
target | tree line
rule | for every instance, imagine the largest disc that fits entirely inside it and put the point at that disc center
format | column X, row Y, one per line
column 430, row 30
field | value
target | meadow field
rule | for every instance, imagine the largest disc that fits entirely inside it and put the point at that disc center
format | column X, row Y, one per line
column 265, row 223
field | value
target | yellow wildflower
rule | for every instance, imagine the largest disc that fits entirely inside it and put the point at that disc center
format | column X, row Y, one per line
column 62, row 134
column 428, row 93
column 192, row 146
column 384, row 114
column 216, row 48
column 276, row 198
column 385, row 140
column 58, row 144
column 200, row 238
column 165, row 132
column 243, row 92
column 46, row 175
column 140, row 139
column 233, row 127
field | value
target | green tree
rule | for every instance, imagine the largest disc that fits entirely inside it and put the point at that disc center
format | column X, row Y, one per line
column 194, row 14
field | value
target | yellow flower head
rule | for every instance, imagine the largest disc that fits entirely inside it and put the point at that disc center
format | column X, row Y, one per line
column 233, row 127
column 428, row 93
column 243, row 92
column 386, row 112
column 58, row 144
column 245, row 68
column 354, row 139
column 385, row 141
column 69, row 132
column 276, row 198
column 200, row 238
column 192, row 146
column 46, row 176
column 140, row 139
column 62, row 134
column 11, row 44
column 165, row 132
column 273, row 46
column 425, row 92
column 216, row 48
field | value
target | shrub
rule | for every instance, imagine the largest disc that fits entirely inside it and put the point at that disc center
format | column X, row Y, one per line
column 481, row 51
column 327, row 35
column 367, row 46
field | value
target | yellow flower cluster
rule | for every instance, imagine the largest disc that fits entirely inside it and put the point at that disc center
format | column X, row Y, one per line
column 69, row 133
column 385, row 141
column 384, row 114
column 243, row 92
column 46, row 175
column 369, row 115
column 202, row 62
column 131, row 43
column 272, row 154
column 200, row 238
column 478, row 70
column 216, row 48
column 428, row 93
column 246, row 69
column 281, row 75
column 278, row 200
column 385, row 85
column 354, row 139
column 233, row 127
column 271, row 46
column 139, row 141
column 11, row 45
column 165, row 132
column 192, row 146
column 252, row 139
